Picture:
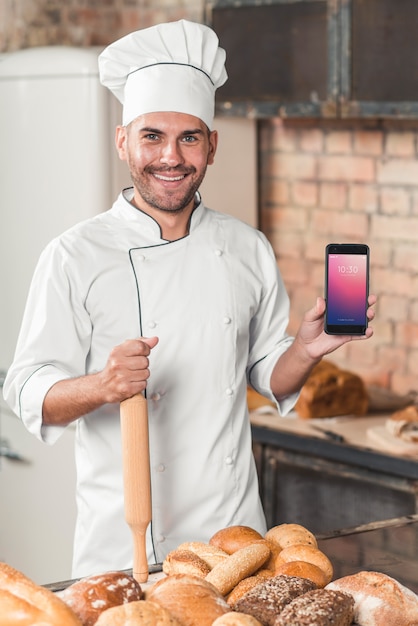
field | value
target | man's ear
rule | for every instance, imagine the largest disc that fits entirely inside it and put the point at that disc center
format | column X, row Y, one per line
column 213, row 144
column 120, row 142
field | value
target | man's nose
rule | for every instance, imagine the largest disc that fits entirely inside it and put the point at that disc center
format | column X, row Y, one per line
column 171, row 154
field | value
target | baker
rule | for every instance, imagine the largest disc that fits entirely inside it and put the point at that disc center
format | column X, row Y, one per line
column 164, row 294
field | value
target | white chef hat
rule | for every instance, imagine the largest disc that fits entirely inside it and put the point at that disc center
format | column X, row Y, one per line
column 175, row 66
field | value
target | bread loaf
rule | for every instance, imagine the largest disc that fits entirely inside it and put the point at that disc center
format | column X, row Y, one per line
column 233, row 538
column 185, row 562
column 236, row 619
column 246, row 584
column 242, row 563
column 142, row 612
column 302, row 569
column 404, row 424
column 308, row 554
column 379, row 600
column 90, row 596
column 331, row 391
column 25, row 603
column 319, row 607
column 266, row 601
column 208, row 553
column 285, row 535
column 191, row 600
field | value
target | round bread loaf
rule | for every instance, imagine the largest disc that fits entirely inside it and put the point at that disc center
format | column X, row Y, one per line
column 234, row 538
column 302, row 569
column 285, row 535
column 246, row 584
column 236, row 619
column 191, row 600
column 320, row 607
column 379, row 600
column 90, row 596
column 309, row 554
column 242, row 563
column 210, row 554
column 25, row 603
column 141, row 612
column 185, row 562
column 266, row 601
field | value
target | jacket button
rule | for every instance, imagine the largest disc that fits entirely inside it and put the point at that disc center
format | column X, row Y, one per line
column 152, row 324
column 156, row 396
column 229, row 391
column 160, row 538
column 161, row 467
column 228, row 460
column 218, row 252
column 227, row 320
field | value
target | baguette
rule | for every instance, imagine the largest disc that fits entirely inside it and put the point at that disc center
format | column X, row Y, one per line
column 242, row 563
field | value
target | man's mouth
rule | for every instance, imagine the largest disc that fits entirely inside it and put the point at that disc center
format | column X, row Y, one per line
column 169, row 178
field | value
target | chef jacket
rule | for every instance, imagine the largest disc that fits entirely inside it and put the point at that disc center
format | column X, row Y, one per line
column 217, row 302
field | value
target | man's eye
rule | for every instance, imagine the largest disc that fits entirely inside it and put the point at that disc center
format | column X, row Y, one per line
column 151, row 136
column 189, row 138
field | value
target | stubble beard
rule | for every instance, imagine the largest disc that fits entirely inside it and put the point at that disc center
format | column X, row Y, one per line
column 168, row 203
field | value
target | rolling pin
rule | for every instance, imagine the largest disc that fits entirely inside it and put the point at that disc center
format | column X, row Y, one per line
column 136, row 478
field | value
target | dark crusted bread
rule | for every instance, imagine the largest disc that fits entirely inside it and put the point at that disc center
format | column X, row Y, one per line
column 266, row 601
column 320, row 607
column 90, row 596
column 331, row 391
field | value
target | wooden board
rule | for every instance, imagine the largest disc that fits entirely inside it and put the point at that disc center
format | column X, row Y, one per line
column 381, row 437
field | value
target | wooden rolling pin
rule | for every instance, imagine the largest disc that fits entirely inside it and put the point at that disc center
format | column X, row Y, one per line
column 136, row 478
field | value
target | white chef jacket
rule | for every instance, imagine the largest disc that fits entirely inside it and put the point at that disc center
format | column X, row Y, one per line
column 217, row 302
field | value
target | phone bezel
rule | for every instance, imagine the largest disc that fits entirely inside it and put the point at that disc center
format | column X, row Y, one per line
column 346, row 248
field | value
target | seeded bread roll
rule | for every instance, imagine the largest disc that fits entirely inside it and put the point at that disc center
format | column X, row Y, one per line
column 285, row 535
column 185, row 562
column 320, row 607
column 266, row 601
column 90, row 596
column 191, row 600
column 302, row 569
column 309, row 554
column 236, row 619
column 142, row 612
column 242, row 563
column 24, row 603
column 379, row 600
column 210, row 554
column 233, row 538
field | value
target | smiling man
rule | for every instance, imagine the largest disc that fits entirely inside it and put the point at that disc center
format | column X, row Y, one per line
column 161, row 293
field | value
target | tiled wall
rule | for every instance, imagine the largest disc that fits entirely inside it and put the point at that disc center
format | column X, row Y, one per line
column 319, row 182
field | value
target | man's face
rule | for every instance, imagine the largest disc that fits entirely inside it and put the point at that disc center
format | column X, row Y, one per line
column 167, row 155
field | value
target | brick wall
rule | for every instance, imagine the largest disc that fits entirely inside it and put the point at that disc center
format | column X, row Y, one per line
column 319, row 182
column 323, row 182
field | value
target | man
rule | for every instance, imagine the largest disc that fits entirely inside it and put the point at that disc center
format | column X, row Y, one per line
column 163, row 294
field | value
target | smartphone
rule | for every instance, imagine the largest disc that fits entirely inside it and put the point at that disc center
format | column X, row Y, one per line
column 346, row 288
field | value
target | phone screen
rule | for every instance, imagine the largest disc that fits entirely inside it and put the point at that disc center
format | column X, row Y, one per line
column 346, row 289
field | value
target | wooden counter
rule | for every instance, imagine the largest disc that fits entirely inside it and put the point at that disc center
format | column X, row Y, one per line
column 326, row 483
